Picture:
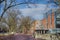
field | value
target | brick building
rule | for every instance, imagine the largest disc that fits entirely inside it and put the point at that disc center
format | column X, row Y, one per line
column 42, row 26
column 49, row 22
column 35, row 25
column 52, row 21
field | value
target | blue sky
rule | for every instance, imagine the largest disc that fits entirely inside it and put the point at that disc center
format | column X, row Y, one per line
column 35, row 12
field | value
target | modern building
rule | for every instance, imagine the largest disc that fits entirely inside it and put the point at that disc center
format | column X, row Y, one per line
column 52, row 21
column 49, row 24
column 49, row 20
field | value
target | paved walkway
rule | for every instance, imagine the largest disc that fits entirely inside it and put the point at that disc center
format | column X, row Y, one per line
column 18, row 37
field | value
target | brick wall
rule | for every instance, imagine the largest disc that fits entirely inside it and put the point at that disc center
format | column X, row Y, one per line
column 49, row 22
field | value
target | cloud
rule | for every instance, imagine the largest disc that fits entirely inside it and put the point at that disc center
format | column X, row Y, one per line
column 37, row 12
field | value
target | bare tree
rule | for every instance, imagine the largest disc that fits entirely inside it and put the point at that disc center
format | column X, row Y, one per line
column 3, row 26
column 12, row 19
column 12, row 3
column 1, row 1
column 25, row 24
column 57, row 2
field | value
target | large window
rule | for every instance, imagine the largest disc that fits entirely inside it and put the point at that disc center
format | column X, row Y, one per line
column 58, row 20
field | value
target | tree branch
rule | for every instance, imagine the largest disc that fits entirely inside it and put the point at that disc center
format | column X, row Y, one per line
column 1, row 1
column 10, row 7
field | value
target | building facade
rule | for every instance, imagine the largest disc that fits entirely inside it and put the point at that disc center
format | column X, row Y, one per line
column 52, row 21
column 49, row 22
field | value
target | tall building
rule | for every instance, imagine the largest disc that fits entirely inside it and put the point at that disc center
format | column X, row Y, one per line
column 52, row 21
column 49, row 24
column 57, row 17
column 49, row 21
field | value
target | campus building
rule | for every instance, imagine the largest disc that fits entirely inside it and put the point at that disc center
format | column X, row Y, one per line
column 50, row 22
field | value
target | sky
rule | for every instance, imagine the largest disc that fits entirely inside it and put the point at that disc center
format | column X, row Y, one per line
column 36, row 11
